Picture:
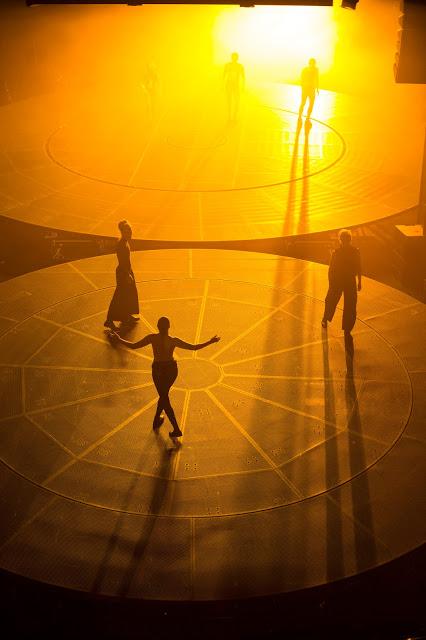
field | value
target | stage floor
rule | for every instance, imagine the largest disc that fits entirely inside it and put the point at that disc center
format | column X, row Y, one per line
column 299, row 465
column 83, row 162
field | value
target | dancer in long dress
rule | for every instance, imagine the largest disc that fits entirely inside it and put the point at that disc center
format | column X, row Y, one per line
column 124, row 305
column 164, row 367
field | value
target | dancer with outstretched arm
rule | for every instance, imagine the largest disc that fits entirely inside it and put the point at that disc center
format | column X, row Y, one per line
column 164, row 366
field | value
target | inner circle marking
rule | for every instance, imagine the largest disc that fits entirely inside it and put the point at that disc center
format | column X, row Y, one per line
column 197, row 373
column 222, row 418
column 54, row 159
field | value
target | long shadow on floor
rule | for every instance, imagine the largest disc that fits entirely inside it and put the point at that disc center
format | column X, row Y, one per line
column 362, row 519
column 335, row 567
column 118, row 539
column 365, row 541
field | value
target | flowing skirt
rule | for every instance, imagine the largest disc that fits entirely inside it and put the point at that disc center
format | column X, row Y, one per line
column 125, row 300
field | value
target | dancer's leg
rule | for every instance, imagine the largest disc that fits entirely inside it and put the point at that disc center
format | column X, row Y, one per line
column 164, row 376
column 302, row 103
column 236, row 103
column 332, row 298
column 156, row 377
column 311, row 98
column 229, row 103
column 349, row 307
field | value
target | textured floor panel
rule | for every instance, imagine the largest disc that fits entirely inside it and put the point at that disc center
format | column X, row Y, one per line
column 186, row 177
column 296, row 461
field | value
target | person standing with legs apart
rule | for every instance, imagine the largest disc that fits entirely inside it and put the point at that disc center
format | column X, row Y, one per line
column 309, row 83
column 164, row 367
column 344, row 270
column 125, row 303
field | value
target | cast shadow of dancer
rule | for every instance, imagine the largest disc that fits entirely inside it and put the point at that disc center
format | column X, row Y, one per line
column 363, row 521
column 234, row 81
column 119, row 540
column 291, row 225
column 364, row 535
column 302, row 223
column 334, row 523
column 124, row 305
column 164, row 367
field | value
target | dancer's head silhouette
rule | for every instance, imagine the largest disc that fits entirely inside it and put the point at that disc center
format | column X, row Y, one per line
column 345, row 237
column 125, row 230
column 163, row 325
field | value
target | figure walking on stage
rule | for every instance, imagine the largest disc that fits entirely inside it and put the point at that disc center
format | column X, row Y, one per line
column 309, row 83
column 344, row 269
column 124, row 305
column 234, row 81
column 164, row 367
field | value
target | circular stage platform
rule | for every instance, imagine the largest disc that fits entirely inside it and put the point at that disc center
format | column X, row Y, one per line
column 83, row 162
column 302, row 457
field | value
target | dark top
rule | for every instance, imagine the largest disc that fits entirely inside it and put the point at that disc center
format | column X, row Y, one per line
column 233, row 74
column 309, row 78
column 123, row 255
column 345, row 264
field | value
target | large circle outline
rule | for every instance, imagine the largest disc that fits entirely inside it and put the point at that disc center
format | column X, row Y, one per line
column 58, row 494
column 52, row 157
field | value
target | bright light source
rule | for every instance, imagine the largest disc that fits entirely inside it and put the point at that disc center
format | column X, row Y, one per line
column 279, row 38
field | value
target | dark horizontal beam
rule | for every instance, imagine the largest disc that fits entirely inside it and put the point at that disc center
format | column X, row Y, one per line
column 312, row 3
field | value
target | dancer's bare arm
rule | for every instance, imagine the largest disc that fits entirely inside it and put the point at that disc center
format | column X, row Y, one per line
column 131, row 345
column 195, row 347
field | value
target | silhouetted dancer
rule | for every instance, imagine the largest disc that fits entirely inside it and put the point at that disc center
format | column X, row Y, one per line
column 124, row 304
column 164, row 367
column 309, row 84
column 345, row 267
column 233, row 80
column 150, row 85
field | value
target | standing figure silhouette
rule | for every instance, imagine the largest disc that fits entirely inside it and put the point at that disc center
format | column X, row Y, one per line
column 234, row 80
column 150, row 85
column 345, row 266
column 164, row 367
column 125, row 303
column 309, row 84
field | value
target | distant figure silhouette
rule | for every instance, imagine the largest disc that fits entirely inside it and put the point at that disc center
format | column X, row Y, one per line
column 309, row 84
column 150, row 85
column 164, row 367
column 234, row 80
column 124, row 304
column 344, row 267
